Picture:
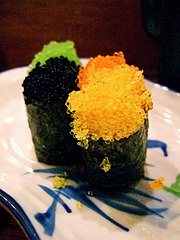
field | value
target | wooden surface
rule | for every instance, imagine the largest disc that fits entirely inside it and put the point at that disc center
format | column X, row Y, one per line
column 96, row 27
column 9, row 228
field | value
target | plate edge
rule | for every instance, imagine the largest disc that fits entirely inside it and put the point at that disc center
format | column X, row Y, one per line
column 13, row 207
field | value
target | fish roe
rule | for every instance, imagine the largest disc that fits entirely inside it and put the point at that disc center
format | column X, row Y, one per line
column 99, row 62
column 105, row 165
column 51, row 82
column 59, row 182
column 112, row 105
column 157, row 184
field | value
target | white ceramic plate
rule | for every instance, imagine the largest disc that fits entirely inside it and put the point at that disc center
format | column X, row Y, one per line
column 44, row 213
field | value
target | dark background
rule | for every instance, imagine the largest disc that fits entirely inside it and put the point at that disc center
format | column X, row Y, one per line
column 96, row 27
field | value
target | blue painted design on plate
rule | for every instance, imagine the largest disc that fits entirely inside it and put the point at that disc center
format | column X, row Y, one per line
column 127, row 202
column 158, row 144
column 124, row 202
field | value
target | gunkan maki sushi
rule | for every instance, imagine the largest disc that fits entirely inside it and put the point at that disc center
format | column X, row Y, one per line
column 110, row 121
column 52, row 75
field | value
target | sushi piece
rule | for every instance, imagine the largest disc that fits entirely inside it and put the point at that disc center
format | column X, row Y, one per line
column 46, row 89
column 110, row 121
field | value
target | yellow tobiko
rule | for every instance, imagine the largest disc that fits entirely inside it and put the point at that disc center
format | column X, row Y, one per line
column 59, row 182
column 112, row 105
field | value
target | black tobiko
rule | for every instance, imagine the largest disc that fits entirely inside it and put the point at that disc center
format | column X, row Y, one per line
column 46, row 89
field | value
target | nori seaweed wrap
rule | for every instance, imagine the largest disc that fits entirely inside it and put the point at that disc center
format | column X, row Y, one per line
column 117, row 164
column 46, row 89
column 110, row 121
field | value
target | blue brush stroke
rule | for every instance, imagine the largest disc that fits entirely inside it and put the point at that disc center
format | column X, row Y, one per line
column 80, row 195
column 158, row 144
column 119, row 201
column 132, row 210
column 120, row 198
column 56, row 170
column 146, row 195
column 47, row 219
column 148, row 178
column 54, row 195
column 124, row 202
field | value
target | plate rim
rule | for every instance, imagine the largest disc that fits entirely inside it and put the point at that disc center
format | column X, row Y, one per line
column 15, row 209
column 10, row 202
